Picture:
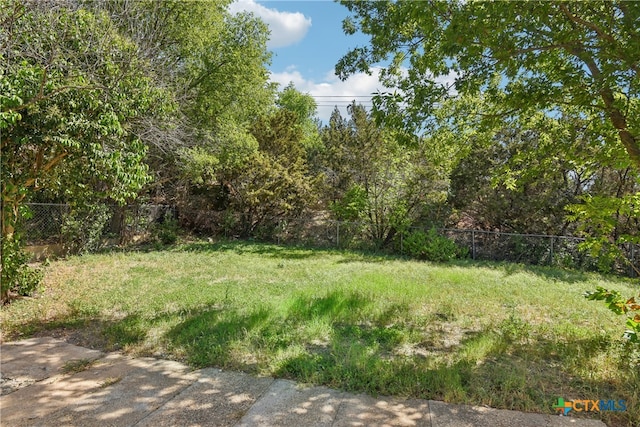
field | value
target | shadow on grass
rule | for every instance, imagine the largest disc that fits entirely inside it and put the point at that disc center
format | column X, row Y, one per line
column 287, row 252
column 361, row 350
column 343, row 339
column 242, row 247
column 546, row 272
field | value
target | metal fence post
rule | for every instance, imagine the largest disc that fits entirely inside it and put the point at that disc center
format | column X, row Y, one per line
column 551, row 252
column 473, row 244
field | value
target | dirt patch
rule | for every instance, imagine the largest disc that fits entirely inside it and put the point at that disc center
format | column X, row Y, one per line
column 90, row 335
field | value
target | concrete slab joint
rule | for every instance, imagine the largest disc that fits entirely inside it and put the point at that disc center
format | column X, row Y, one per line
column 116, row 390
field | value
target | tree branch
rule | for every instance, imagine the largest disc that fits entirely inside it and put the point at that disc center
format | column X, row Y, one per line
column 53, row 162
column 42, row 97
column 599, row 31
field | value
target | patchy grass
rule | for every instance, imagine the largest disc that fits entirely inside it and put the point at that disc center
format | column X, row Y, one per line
column 110, row 381
column 76, row 365
column 507, row 336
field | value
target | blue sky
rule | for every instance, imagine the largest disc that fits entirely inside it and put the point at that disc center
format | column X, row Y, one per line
column 307, row 41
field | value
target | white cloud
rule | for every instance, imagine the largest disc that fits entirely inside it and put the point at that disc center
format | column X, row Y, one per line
column 331, row 91
column 287, row 28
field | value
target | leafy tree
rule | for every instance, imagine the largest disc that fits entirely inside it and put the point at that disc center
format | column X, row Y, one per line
column 71, row 88
column 521, row 180
column 214, row 65
column 523, row 56
column 373, row 178
column 305, row 108
column 254, row 181
column 575, row 58
column 274, row 183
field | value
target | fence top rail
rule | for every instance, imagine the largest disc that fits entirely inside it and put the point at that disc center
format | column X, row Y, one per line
column 466, row 230
column 358, row 223
column 46, row 204
column 455, row 230
column 142, row 205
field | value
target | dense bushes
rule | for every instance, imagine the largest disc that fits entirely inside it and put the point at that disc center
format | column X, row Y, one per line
column 430, row 246
column 17, row 276
column 83, row 227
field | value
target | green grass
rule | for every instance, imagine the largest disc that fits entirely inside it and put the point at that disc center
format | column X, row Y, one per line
column 503, row 335
column 76, row 365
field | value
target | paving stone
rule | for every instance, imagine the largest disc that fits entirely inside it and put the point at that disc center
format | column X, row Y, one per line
column 24, row 362
column 448, row 415
column 58, row 392
column 558, row 421
column 217, row 399
column 285, row 404
column 122, row 394
column 119, row 391
column 363, row 410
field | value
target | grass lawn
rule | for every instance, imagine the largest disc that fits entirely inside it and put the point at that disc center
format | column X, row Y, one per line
column 502, row 335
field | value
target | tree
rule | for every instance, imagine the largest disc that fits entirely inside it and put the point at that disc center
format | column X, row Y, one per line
column 525, row 178
column 576, row 58
column 214, row 65
column 305, row 108
column 71, row 88
column 522, row 56
column 251, row 181
column 372, row 177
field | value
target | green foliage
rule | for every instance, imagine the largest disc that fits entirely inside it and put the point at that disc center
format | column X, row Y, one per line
column 249, row 176
column 546, row 92
column 17, row 275
column 166, row 232
column 213, row 64
column 353, row 205
column 621, row 306
column 430, row 246
column 538, row 56
column 305, row 107
column 608, row 222
column 522, row 180
column 73, row 90
column 370, row 175
column 83, row 227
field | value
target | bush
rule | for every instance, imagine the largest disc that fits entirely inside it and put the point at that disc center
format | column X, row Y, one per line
column 83, row 227
column 17, row 276
column 166, row 232
column 430, row 246
column 353, row 204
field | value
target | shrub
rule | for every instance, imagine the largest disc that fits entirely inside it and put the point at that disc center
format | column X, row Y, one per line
column 430, row 246
column 17, row 275
column 353, row 204
column 166, row 232
column 83, row 227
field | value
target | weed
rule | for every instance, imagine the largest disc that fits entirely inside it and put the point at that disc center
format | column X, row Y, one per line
column 502, row 335
column 110, row 381
column 76, row 365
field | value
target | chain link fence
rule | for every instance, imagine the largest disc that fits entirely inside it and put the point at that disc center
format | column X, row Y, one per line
column 535, row 249
column 49, row 223
column 58, row 223
column 42, row 223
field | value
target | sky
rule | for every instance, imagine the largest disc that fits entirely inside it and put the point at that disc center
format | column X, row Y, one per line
column 307, row 41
